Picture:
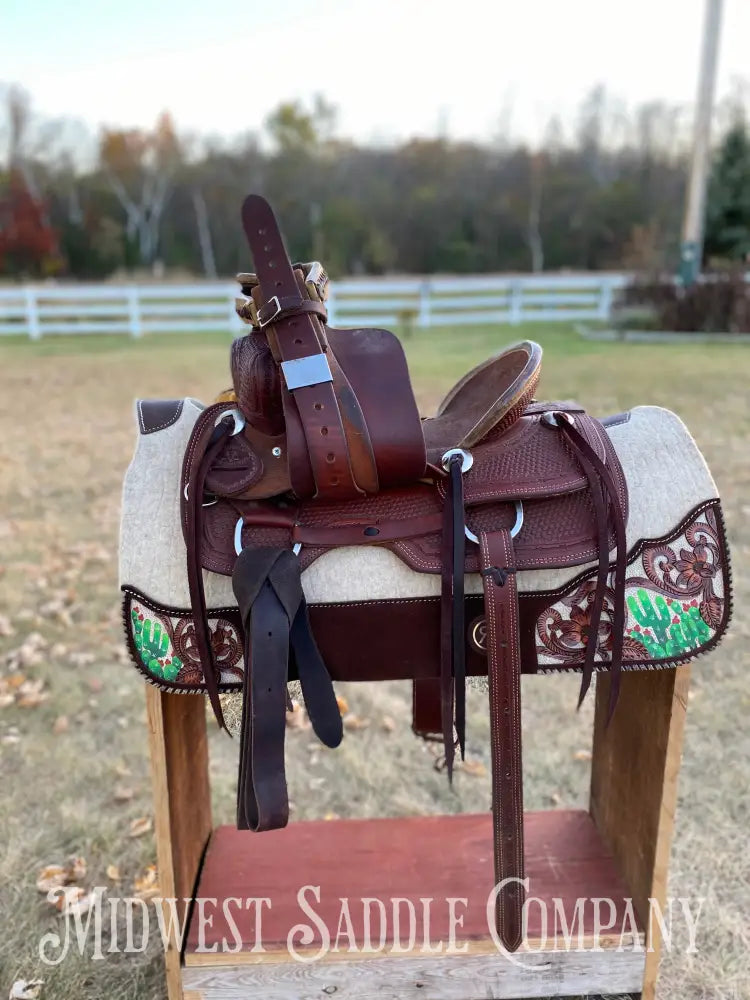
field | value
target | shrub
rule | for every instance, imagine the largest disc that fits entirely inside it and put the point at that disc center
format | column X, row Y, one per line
column 718, row 303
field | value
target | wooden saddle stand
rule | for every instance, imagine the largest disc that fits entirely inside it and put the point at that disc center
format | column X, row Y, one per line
column 500, row 536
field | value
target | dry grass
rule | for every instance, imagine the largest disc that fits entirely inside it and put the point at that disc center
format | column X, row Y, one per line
column 67, row 435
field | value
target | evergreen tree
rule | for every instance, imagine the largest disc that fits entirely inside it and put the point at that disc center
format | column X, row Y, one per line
column 728, row 213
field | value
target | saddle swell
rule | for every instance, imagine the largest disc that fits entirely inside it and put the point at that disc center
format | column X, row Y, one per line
column 499, row 536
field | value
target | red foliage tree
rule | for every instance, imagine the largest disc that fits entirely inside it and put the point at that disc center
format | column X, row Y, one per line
column 28, row 243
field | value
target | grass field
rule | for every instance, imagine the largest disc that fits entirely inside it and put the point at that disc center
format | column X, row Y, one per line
column 73, row 745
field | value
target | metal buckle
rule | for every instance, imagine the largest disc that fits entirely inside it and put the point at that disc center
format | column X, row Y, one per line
column 513, row 531
column 311, row 370
column 264, row 322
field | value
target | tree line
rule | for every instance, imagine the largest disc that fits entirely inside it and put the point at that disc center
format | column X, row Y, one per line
column 605, row 194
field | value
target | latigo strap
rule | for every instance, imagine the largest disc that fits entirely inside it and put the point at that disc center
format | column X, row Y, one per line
column 268, row 589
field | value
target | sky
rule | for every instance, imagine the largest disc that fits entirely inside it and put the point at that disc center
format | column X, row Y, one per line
column 393, row 68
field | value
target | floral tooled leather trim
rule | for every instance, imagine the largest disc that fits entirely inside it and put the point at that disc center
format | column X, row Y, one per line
column 677, row 596
column 161, row 641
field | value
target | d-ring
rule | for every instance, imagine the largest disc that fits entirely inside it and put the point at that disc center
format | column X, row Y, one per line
column 467, row 459
column 204, row 504
column 513, row 531
column 236, row 415
column 296, row 548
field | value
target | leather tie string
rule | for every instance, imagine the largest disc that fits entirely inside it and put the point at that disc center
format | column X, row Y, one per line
column 604, row 498
column 211, row 442
column 267, row 585
column 452, row 641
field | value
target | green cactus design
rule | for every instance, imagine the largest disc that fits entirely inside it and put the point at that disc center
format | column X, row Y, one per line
column 667, row 628
column 153, row 645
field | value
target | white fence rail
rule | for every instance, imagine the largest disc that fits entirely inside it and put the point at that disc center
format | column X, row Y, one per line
column 38, row 310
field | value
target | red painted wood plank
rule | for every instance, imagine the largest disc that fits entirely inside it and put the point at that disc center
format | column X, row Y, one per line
column 435, row 857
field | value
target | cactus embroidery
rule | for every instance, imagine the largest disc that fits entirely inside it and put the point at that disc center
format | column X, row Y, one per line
column 666, row 627
column 676, row 602
column 165, row 644
column 151, row 640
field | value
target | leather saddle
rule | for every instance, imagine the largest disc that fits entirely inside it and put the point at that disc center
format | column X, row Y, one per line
column 331, row 534
column 320, row 446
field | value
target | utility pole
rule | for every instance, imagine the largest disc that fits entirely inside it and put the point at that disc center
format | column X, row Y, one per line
column 691, row 249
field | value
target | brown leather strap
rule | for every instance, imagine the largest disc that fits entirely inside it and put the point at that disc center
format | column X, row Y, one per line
column 319, row 457
column 504, row 669
column 604, row 497
column 206, row 444
column 268, row 587
column 427, row 719
column 281, row 307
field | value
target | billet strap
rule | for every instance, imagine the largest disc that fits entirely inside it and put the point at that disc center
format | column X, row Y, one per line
column 330, row 455
column 504, row 675
column 267, row 585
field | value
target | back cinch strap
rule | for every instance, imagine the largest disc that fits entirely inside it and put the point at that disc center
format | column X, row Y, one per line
column 498, row 569
column 268, row 589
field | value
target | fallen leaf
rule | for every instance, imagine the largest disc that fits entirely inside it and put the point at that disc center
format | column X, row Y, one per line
column 6, row 629
column 147, row 886
column 61, row 725
column 6, row 699
column 122, row 771
column 140, row 826
column 32, row 700
column 343, row 704
column 354, row 722
column 474, row 768
column 75, row 869
column 123, row 793
column 50, row 877
column 22, row 990
column 113, row 873
column 331, row 816
column 76, row 901
column 297, row 718
column 582, row 755
column 14, row 681
column 68, row 898
column 387, row 724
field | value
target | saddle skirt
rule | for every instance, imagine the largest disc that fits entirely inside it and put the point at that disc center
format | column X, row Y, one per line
column 677, row 567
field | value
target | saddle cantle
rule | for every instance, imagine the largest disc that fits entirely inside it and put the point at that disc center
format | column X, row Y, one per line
column 500, row 536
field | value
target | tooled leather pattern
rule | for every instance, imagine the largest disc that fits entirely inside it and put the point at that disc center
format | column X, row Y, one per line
column 559, row 524
column 257, row 383
column 236, row 469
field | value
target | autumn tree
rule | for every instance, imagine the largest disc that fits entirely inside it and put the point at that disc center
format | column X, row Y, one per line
column 28, row 243
column 140, row 168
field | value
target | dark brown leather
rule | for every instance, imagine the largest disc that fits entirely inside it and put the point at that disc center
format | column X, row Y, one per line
column 532, row 463
column 488, row 399
column 272, row 606
column 504, row 661
column 318, row 458
column 156, row 414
